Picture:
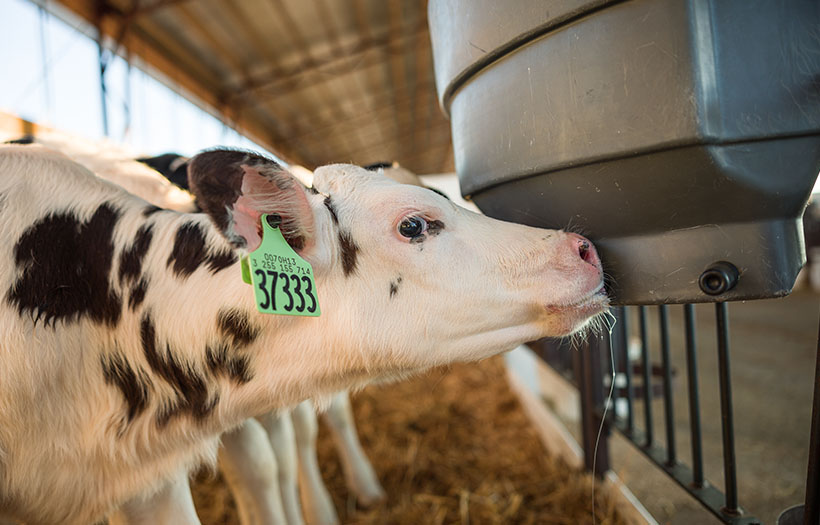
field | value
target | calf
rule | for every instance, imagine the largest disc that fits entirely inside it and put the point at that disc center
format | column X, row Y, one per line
column 110, row 384
column 264, row 482
column 111, row 162
column 253, row 481
column 173, row 167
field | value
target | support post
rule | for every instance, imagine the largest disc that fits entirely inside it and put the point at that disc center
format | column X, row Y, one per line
column 590, row 385
column 811, row 515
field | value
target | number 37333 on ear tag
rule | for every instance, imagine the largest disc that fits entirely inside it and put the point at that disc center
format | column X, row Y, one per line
column 282, row 281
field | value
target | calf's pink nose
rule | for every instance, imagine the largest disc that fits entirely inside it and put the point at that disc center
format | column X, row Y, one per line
column 584, row 248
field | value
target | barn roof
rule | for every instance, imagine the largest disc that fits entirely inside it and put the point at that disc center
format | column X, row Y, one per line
column 315, row 81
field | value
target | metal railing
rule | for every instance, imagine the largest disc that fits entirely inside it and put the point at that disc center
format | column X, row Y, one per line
column 638, row 381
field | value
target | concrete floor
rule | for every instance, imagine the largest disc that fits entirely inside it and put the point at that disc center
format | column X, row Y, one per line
column 773, row 350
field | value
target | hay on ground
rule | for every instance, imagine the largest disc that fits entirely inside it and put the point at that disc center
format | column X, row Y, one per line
column 452, row 446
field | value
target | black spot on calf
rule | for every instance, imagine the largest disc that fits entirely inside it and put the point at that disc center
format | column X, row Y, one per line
column 434, row 227
column 131, row 258
column 25, row 139
column 137, row 294
column 190, row 252
column 221, row 362
column 150, row 210
column 394, row 286
column 237, row 326
column 173, row 167
column 331, row 209
column 66, row 266
column 179, row 407
column 349, row 253
column 434, row 190
column 134, row 384
column 221, row 259
column 192, row 395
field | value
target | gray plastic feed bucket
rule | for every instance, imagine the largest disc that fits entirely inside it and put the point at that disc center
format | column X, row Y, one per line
column 792, row 516
column 675, row 134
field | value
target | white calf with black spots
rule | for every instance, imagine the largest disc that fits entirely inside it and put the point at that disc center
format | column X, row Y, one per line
column 263, row 481
column 105, row 399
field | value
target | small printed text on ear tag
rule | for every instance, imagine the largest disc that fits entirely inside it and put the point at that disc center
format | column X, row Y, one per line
column 283, row 282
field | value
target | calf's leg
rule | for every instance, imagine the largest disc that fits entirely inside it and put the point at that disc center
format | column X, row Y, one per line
column 283, row 442
column 251, row 470
column 359, row 475
column 172, row 505
column 319, row 508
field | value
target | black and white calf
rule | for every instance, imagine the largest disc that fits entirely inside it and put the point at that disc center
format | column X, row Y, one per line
column 113, row 163
column 264, row 482
column 172, row 165
column 130, row 342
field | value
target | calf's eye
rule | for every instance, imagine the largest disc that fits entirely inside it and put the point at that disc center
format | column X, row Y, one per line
column 412, row 227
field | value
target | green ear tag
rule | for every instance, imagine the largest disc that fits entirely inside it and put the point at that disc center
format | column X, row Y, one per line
column 282, row 281
column 246, row 270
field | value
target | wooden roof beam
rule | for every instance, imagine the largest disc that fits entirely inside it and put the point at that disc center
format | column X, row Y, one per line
column 349, row 61
column 396, row 79
column 435, row 135
column 216, row 47
column 336, row 50
column 301, row 43
column 403, row 134
column 317, row 123
column 146, row 8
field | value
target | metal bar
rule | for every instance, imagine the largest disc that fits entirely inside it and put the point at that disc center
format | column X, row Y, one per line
column 707, row 495
column 568, row 363
column 128, row 104
column 668, row 407
column 723, row 505
column 647, row 376
column 623, row 343
column 102, row 8
column 694, row 396
column 43, row 19
column 729, row 462
column 103, row 60
column 590, row 387
column 811, row 512
column 604, row 424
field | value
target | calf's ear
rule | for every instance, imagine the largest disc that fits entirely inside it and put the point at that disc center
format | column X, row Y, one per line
column 236, row 187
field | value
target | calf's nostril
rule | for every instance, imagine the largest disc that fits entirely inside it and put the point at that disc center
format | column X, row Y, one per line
column 583, row 250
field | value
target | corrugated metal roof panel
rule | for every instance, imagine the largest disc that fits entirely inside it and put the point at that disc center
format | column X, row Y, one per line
column 318, row 81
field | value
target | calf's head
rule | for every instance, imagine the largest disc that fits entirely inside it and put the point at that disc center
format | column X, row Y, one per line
column 404, row 276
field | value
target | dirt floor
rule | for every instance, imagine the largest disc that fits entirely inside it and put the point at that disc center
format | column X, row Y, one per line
column 452, row 446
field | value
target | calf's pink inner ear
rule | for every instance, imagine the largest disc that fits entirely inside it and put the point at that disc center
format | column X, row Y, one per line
column 268, row 191
column 247, row 224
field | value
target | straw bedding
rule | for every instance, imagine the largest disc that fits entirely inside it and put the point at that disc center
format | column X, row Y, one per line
column 452, row 446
